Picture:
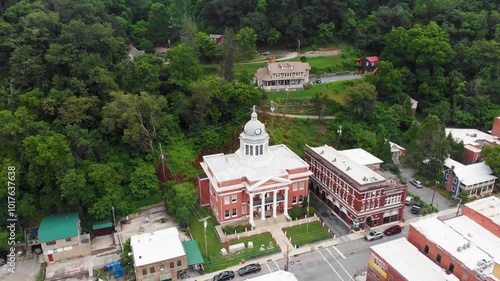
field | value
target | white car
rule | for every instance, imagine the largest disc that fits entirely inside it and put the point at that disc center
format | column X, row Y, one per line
column 416, row 183
column 409, row 199
column 374, row 235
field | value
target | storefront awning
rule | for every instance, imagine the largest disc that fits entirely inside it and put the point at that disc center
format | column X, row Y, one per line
column 102, row 224
column 192, row 252
column 166, row 276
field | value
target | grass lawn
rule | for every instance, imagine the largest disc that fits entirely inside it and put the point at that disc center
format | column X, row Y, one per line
column 302, row 234
column 334, row 91
column 214, row 261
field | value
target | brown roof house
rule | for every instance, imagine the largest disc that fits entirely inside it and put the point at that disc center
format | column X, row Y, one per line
column 282, row 76
column 61, row 238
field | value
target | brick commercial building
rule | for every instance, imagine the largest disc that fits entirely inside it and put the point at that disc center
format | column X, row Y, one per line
column 485, row 212
column 460, row 246
column 158, row 256
column 61, row 239
column 352, row 184
column 258, row 181
column 399, row 260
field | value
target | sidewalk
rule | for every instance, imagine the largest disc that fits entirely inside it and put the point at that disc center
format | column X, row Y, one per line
column 328, row 243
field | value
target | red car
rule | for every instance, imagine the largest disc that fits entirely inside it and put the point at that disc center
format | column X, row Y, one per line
column 393, row 230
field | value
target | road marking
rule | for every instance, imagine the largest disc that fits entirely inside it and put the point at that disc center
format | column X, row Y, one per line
column 277, row 266
column 350, row 278
column 338, row 252
column 330, row 265
column 269, row 267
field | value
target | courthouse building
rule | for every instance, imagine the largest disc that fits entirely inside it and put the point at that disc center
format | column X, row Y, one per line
column 258, row 181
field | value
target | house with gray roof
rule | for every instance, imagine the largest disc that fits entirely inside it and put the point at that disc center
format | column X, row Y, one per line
column 282, row 76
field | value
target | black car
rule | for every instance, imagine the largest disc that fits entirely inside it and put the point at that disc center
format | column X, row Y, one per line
column 224, row 275
column 251, row 268
column 318, row 80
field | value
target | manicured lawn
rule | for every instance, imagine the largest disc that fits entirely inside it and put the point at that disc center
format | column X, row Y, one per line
column 302, row 234
column 214, row 261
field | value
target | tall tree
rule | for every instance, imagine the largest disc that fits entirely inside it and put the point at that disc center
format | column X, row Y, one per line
column 137, row 117
column 430, row 147
column 229, row 54
column 184, row 67
column 180, row 201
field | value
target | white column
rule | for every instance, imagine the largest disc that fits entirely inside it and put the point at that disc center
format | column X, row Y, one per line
column 274, row 203
column 263, row 206
column 251, row 208
column 286, row 201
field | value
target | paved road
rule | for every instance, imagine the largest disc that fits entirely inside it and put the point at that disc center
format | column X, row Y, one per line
column 425, row 193
column 335, row 263
column 334, row 223
column 335, row 78
column 300, row 116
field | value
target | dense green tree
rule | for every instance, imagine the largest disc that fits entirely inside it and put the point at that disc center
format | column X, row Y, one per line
column 273, row 36
column 362, row 98
column 326, row 32
column 430, row 147
column 247, row 41
column 206, row 47
column 180, row 201
column 229, row 52
column 143, row 181
column 184, row 67
column 158, row 24
column 136, row 117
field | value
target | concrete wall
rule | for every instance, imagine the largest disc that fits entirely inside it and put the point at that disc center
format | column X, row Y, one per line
column 157, row 271
column 75, row 252
column 61, row 243
column 485, row 222
column 420, row 241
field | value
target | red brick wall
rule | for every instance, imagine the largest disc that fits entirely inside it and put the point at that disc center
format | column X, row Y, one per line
column 204, row 191
column 470, row 156
column 420, row 241
column 495, row 131
column 482, row 220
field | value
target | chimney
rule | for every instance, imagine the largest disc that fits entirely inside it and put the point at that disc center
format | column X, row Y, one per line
column 451, row 176
column 130, row 45
column 495, row 131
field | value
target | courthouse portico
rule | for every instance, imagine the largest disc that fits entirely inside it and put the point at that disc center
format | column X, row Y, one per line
column 258, row 181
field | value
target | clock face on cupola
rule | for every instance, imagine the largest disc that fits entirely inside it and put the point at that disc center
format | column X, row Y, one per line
column 254, row 140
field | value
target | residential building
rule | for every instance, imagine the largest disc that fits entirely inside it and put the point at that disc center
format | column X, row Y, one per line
column 367, row 64
column 414, row 105
column 282, row 76
column 158, row 256
column 352, row 184
column 399, row 260
column 460, row 246
column 133, row 52
column 257, row 181
column 485, row 212
column 397, row 151
column 61, row 238
column 477, row 179
column 218, row 38
column 474, row 140
column 279, row 275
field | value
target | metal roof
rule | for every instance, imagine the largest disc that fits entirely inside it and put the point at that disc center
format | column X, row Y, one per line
column 58, row 227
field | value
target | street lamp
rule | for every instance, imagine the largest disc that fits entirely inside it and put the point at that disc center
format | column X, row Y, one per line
column 272, row 114
column 339, row 132
column 299, row 46
column 458, row 206
column 114, row 220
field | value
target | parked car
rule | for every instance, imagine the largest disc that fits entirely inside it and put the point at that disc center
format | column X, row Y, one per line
column 409, row 199
column 318, row 80
column 416, row 183
column 251, row 268
column 267, row 53
column 374, row 235
column 417, row 207
column 3, row 257
column 393, row 230
column 224, row 275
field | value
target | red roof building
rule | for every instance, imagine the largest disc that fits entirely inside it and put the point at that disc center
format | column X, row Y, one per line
column 367, row 64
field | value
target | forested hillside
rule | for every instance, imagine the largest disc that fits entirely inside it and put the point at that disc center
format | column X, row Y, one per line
column 83, row 123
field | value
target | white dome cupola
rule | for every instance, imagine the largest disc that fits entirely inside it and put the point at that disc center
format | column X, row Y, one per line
column 254, row 140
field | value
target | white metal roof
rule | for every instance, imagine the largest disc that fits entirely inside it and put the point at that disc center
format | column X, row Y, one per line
column 471, row 174
column 469, row 136
column 453, row 242
column 148, row 248
column 345, row 161
column 275, row 276
column 273, row 164
column 408, row 261
column 361, row 156
column 477, row 235
column 488, row 207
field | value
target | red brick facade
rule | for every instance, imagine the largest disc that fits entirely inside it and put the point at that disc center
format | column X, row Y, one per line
column 485, row 222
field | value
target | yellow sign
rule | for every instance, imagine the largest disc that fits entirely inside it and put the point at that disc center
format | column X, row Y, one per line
column 379, row 266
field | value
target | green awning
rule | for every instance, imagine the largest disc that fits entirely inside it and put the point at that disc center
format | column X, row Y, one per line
column 166, row 276
column 148, row 279
column 192, row 252
column 102, row 224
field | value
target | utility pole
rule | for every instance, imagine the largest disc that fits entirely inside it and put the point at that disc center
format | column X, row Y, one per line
column 308, row 202
column 205, row 224
column 434, row 192
column 339, row 133
column 458, row 206
column 114, row 220
column 299, row 47
column 272, row 114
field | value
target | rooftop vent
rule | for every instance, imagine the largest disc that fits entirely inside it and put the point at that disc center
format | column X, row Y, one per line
column 348, row 168
column 322, row 151
column 459, row 249
column 365, row 179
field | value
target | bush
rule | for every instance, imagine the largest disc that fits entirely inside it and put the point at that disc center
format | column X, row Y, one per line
column 240, row 228
column 228, row 229
column 303, row 59
column 296, row 212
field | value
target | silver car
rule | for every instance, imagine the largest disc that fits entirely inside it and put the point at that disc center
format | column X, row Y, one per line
column 374, row 235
